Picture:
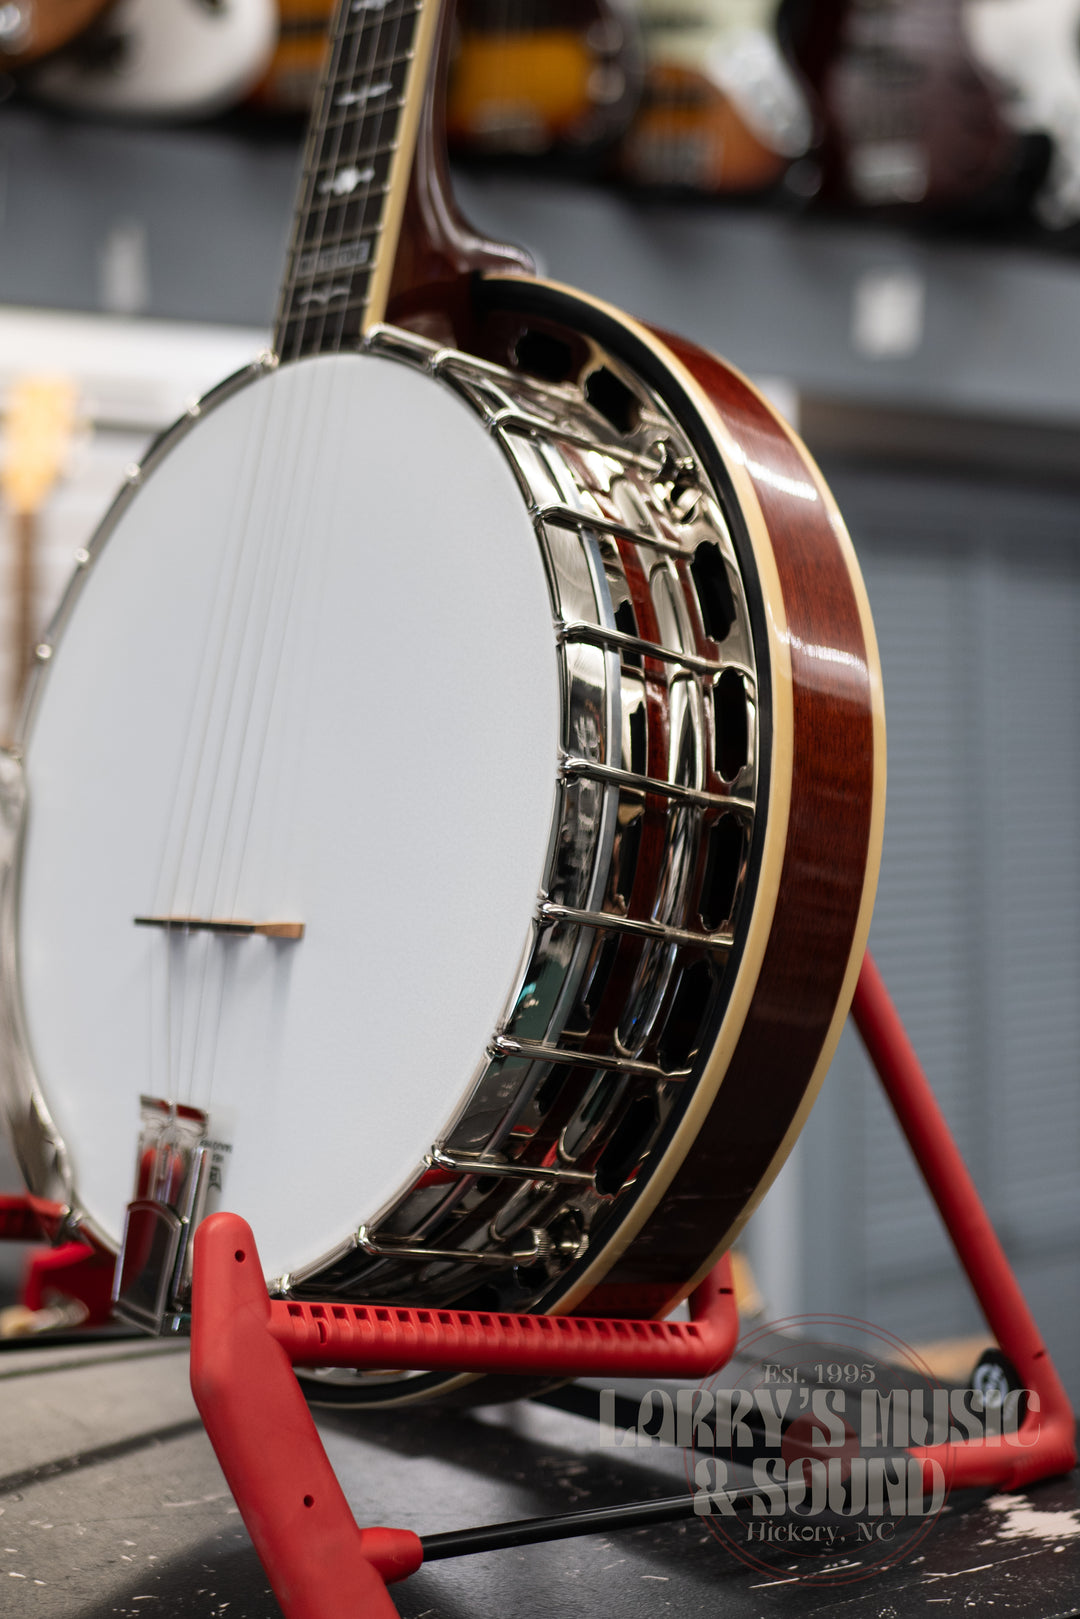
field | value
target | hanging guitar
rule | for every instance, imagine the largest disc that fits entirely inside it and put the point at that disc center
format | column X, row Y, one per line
column 912, row 121
column 291, row 81
column 162, row 59
column 451, row 793
column 1031, row 49
column 541, row 78
column 723, row 109
column 30, row 29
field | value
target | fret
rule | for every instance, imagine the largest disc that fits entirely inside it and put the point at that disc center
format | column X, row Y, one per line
column 376, row 59
column 381, row 71
column 330, row 260
column 305, row 332
column 366, row 153
column 377, row 27
column 372, row 135
column 382, row 84
column 347, row 170
column 348, row 116
column 340, row 221
column 336, row 181
column 361, row 17
column 357, row 301
column 328, row 240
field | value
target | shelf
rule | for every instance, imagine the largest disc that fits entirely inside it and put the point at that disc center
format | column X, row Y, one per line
column 191, row 224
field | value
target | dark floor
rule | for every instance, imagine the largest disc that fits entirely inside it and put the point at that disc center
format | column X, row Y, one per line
column 113, row 1505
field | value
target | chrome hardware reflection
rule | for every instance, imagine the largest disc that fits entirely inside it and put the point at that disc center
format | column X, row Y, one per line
column 502, row 1047
column 589, row 1057
column 153, row 1271
column 466, row 1163
column 619, row 519
column 384, row 1247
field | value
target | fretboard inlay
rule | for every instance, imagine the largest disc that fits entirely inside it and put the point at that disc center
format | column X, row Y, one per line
column 354, row 135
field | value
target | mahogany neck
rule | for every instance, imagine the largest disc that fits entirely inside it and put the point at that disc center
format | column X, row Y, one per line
column 376, row 231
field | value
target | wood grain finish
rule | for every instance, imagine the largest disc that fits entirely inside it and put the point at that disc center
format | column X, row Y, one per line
column 825, row 864
column 814, row 853
column 788, row 995
column 831, row 843
column 437, row 249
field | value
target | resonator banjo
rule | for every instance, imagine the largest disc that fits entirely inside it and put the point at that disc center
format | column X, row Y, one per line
column 448, row 807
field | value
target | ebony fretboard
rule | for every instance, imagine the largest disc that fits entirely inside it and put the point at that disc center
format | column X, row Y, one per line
column 356, row 130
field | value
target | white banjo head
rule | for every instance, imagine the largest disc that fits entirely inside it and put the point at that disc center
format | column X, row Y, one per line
column 388, row 800
column 311, row 679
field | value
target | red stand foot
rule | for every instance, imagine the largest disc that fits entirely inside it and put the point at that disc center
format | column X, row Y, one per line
column 244, row 1346
column 24, row 1218
column 1045, row 1443
column 74, row 1278
column 72, row 1271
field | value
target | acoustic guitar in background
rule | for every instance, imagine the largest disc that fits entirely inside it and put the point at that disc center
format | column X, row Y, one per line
column 162, row 58
column 528, row 78
column 1031, row 48
column 291, row 78
column 30, row 29
column 37, row 430
column 723, row 108
column 911, row 120
column 541, row 78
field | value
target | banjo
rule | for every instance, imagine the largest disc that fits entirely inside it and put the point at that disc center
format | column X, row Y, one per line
column 447, row 808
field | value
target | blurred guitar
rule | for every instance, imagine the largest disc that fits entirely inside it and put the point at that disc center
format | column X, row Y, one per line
column 537, row 77
column 723, row 109
column 528, row 77
column 163, row 58
column 38, row 426
column 30, row 29
column 912, row 121
column 1032, row 49
column 292, row 76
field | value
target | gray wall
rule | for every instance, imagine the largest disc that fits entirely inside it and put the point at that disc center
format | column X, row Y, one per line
column 975, row 587
column 975, row 584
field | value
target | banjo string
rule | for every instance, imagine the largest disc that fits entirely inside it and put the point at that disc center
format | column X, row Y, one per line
column 220, row 700
column 211, row 741
column 286, row 526
column 293, row 549
column 361, row 83
column 262, row 535
column 195, row 749
column 222, row 683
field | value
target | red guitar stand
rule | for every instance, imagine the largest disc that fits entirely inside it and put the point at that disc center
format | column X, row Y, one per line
column 1045, row 1443
column 322, row 1565
column 72, row 1281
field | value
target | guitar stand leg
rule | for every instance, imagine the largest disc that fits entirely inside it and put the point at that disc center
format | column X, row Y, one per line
column 243, row 1349
column 69, row 1285
column 1045, row 1442
column 322, row 1565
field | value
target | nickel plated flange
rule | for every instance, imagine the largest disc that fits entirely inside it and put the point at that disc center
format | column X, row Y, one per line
column 659, row 788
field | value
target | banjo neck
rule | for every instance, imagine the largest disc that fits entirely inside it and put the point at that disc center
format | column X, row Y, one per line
column 376, row 233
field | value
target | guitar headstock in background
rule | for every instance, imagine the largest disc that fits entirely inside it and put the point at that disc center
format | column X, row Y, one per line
column 724, row 109
column 911, row 121
column 39, row 424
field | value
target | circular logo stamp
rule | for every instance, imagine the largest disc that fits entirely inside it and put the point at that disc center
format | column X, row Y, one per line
column 821, row 1461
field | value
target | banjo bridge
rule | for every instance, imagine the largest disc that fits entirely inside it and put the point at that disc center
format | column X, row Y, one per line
column 198, row 924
